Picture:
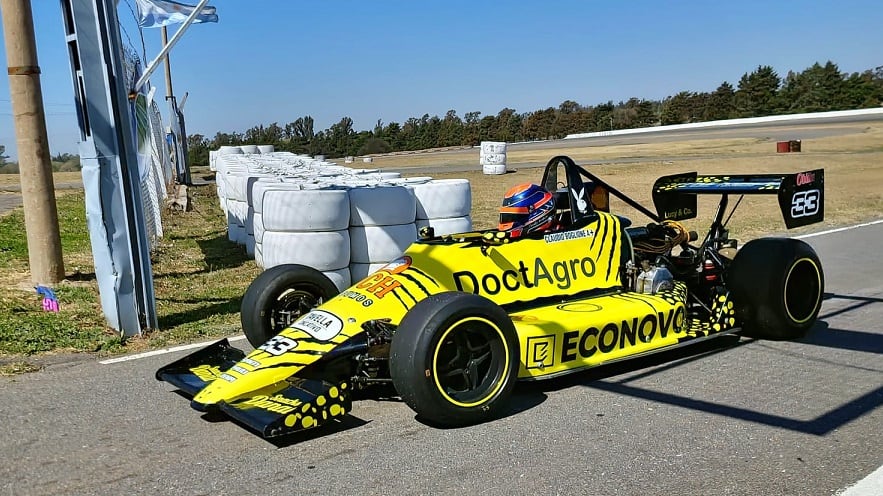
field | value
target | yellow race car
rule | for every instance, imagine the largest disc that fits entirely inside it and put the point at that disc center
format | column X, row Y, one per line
column 458, row 319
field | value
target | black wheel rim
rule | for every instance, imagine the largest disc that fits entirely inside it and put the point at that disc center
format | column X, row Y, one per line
column 470, row 362
column 291, row 305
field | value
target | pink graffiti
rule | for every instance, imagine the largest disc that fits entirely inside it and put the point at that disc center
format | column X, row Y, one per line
column 50, row 305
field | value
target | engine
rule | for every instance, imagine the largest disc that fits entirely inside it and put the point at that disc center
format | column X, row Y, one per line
column 649, row 278
column 655, row 262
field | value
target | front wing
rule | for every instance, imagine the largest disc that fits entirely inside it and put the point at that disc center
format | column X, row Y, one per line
column 277, row 409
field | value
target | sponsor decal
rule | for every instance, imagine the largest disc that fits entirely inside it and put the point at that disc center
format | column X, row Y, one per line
column 805, row 178
column 359, row 297
column 541, row 352
column 206, row 373
column 613, row 335
column 568, row 235
column 252, row 362
column 561, row 274
column 275, row 404
column 227, row 377
column 681, row 212
column 239, row 370
column 320, row 324
column 379, row 284
column 579, row 196
column 805, row 203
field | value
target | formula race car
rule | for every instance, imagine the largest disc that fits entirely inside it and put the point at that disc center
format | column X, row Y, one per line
column 458, row 319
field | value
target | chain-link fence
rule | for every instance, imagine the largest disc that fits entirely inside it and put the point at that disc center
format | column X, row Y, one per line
column 155, row 170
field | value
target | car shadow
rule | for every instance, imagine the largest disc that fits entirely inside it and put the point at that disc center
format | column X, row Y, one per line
column 655, row 363
column 821, row 335
column 530, row 394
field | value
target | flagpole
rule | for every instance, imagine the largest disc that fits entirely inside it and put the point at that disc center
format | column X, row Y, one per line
column 165, row 41
column 162, row 53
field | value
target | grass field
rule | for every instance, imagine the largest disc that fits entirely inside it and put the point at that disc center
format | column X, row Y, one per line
column 200, row 276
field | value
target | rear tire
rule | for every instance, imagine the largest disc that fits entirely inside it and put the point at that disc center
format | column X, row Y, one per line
column 454, row 359
column 279, row 296
column 777, row 286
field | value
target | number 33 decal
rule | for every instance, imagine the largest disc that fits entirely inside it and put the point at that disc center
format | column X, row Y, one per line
column 805, row 203
column 278, row 345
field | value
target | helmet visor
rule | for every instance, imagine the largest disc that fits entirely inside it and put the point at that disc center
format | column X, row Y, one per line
column 511, row 218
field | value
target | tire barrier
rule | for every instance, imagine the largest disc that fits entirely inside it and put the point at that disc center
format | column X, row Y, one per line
column 443, row 198
column 325, row 251
column 494, row 169
column 249, row 245
column 493, row 147
column 492, row 157
column 237, row 213
column 345, row 222
column 257, row 227
column 359, row 271
column 450, row 225
column 382, row 206
column 236, row 234
column 341, row 278
column 259, row 255
column 307, row 210
column 376, row 244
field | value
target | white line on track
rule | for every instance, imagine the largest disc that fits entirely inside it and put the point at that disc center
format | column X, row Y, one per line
column 839, row 229
column 238, row 338
column 872, row 485
column 164, row 351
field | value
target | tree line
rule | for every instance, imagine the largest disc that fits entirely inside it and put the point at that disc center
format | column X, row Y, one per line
column 62, row 162
column 758, row 93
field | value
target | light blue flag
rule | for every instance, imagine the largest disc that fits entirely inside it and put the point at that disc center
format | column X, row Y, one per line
column 158, row 13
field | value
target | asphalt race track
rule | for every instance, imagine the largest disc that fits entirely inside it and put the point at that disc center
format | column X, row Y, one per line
column 735, row 417
column 730, row 417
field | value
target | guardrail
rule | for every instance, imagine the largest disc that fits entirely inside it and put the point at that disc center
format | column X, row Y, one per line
column 735, row 122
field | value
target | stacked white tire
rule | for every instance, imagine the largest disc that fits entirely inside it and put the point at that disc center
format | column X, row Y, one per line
column 493, row 157
column 344, row 222
column 381, row 225
column 444, row 205
column 307, row 227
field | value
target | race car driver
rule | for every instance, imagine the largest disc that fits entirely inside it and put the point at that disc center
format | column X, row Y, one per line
column 527, row 208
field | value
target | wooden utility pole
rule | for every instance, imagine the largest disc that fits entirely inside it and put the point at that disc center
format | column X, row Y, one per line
column 35, row 168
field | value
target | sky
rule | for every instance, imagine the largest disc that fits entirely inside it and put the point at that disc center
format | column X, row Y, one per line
column 271, row 61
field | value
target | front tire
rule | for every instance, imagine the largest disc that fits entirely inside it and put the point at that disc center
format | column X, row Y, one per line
column 279, row 296
column 454, row 359
column 777, row 286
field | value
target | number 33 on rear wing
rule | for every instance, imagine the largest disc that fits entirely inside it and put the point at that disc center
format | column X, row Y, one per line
column 801, row 195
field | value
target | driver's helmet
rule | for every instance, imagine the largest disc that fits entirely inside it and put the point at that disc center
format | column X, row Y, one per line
column 526, row 208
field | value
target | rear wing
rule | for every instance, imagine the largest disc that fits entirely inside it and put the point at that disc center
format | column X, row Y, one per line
column 801, row 195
